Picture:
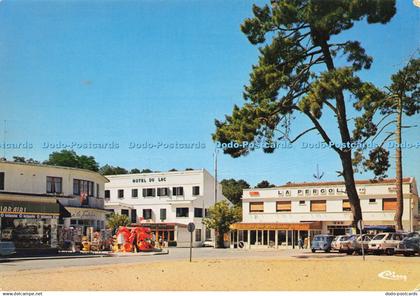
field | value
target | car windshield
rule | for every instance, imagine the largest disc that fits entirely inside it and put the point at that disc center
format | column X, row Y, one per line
column 343, row 238
column 320, row 238
column 379, row 237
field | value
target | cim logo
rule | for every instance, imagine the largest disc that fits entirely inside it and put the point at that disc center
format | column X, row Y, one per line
column 391, row 275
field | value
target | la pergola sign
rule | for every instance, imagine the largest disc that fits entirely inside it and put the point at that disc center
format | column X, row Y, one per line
column 150, row 180
column 316, row 191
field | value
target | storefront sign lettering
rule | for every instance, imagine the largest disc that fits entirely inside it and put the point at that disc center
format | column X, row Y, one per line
column 10, row 209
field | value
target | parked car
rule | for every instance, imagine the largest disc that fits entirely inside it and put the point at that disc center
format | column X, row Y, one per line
column 208, row 243
column 7, row 248
column 385, row 243
column 413, row 234
column 322, row 242
column 409, row 246
column 335, row 245
column 346, row 244
column 361, row 241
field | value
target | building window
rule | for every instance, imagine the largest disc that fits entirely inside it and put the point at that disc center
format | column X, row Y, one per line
column 372, row 200
column 149, row 192
column 318, row 206
column 346, row 205
column 198, row 235
column 97, row 190
column 124, row 212
column 1, row 180
column 256, row 207
column 283, row 206
column 162, row 214
column 208, row 233
column 182, row 212
column 54, row 185
column 196, row 190
column 120, row 193
column 147, row 214
column 302, row 202
column 389, row 204
column 107, row 194
column 177, row 191
column 83, row 186
column 133, row 216
column 134, row 193
column 206, row 212
column 198, row 212
column 162, row 192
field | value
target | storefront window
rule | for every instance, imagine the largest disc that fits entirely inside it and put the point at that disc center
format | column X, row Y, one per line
column 281, row 240
column 29, row 233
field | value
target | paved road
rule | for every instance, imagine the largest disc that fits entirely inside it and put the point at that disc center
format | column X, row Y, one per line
column 183, row 254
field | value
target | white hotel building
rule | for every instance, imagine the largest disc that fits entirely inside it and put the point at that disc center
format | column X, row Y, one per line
column 279, row 216
column 166, row 202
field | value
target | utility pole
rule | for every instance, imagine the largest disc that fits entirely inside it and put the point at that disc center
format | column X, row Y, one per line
column 215, row 175
column 4, row 139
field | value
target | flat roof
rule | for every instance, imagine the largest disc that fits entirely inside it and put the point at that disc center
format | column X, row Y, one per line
column 40, row 165
column 183, row 172
column 332, row 183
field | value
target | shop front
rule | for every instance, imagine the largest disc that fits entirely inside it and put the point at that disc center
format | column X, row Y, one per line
column 84, row 218
column 172, row 234
column 272, row 235
column 30, row 223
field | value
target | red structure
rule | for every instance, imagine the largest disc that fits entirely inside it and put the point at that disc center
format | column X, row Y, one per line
column 132, row 239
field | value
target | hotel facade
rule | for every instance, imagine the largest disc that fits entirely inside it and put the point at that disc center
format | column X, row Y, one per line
column 36, row 200
column 280, row 216
column 166, row 202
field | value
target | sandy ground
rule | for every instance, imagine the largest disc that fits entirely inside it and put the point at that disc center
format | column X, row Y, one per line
column 224, row 274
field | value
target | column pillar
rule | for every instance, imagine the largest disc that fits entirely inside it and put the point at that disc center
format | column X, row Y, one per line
column 276, row 239
column 249, row 239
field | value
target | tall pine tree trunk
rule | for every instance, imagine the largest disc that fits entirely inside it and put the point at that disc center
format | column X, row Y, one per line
column 345, row 154
column 398, row 169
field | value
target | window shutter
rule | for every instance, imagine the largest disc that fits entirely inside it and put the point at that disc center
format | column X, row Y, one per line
column 318, row 205
column 284, row 206
column 346, row 205
column 389, row 204
column 256, row 207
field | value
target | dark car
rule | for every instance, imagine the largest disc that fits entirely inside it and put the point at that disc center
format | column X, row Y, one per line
column 322, row 242
column 7, row 248
column 409, row 246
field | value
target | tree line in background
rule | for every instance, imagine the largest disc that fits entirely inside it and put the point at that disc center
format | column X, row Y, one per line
column 70, row 158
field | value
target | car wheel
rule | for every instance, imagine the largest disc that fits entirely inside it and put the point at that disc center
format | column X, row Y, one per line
column 407, row 254
column 349, row 252
column 313, row 250
column 389, row 252
column 327, row 250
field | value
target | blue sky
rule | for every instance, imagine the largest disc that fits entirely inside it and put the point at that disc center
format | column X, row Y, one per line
column 159, row 72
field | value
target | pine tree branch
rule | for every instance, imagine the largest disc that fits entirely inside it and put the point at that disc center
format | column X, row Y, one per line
column 320, row 129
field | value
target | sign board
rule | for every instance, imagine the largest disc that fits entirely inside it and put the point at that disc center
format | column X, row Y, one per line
column 191, row 227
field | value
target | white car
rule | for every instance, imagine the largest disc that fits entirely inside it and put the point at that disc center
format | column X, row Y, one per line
column 336, row 243
column 208, row 243
column 385, row 243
